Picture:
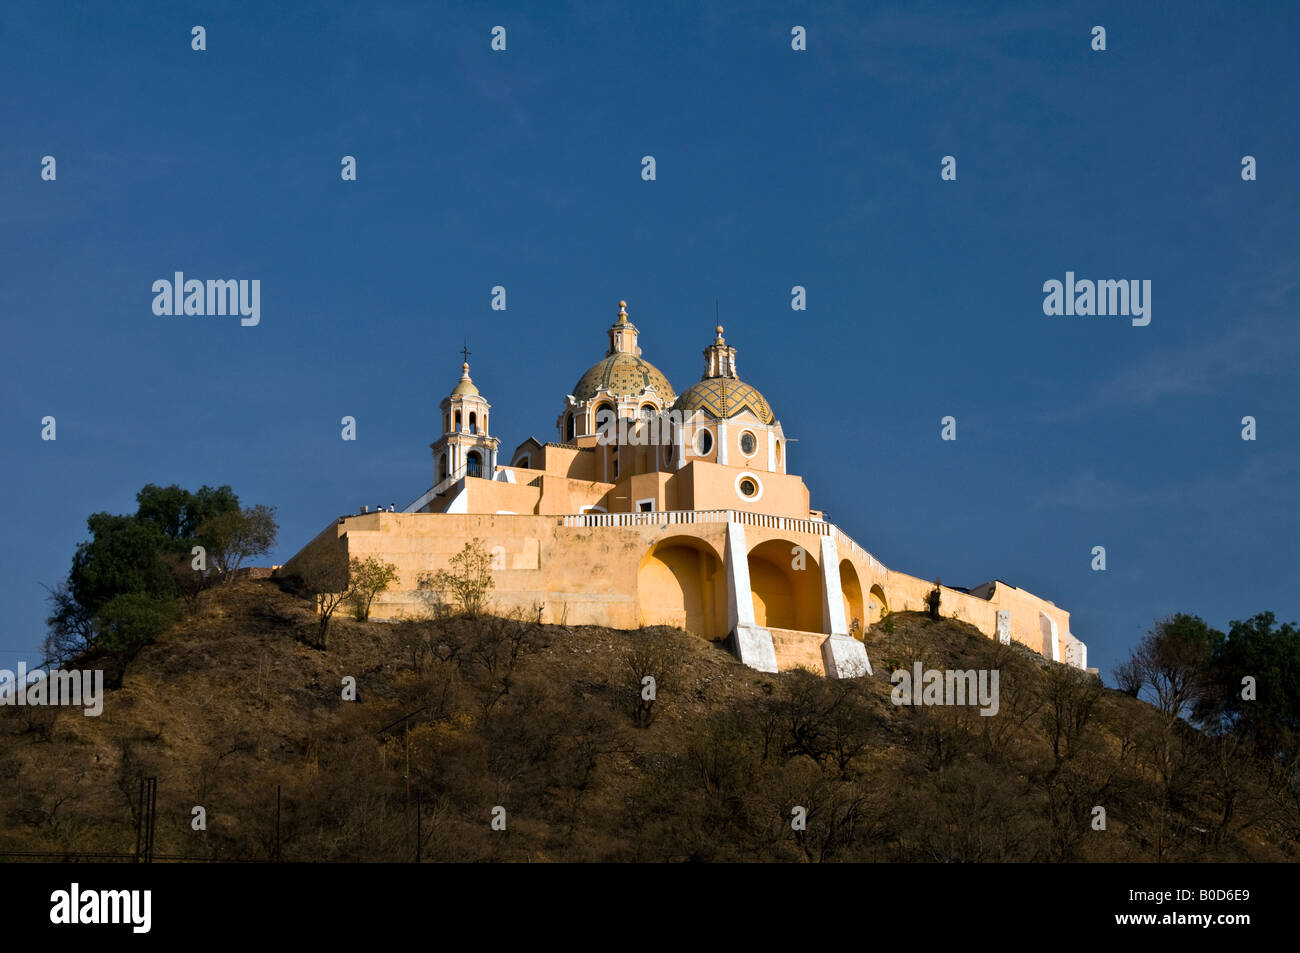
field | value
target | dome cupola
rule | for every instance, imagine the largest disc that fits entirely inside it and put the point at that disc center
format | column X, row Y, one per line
column 720, row 393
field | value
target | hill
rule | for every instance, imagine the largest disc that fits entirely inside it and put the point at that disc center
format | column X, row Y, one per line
column 457, row 717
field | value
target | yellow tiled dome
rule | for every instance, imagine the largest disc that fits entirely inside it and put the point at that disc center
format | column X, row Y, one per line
column 723, row 397
column 624, row 375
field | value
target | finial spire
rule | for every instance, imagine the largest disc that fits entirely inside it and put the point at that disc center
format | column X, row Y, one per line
column 719, row 357
column 622, row 334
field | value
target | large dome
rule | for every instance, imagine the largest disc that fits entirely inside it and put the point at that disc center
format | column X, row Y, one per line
column 723, row 397
column 623, row 375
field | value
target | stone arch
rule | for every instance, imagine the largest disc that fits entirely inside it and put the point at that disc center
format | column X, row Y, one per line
column 851, row 588
column 878, row 605
column 473, row 464
column 785, row 597
column 1051, row 644
column 681, row 582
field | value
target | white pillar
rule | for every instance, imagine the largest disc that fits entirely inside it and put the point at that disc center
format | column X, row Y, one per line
column 754, row 645
column 842, row 654
column 740, row 598
column 832, row 596
column 845, row 657
column 722, row 441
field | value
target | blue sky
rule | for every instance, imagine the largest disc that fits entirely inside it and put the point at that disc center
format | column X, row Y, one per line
column 775, row 168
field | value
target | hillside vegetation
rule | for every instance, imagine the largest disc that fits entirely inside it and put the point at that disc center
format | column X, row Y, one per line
column 459, row 716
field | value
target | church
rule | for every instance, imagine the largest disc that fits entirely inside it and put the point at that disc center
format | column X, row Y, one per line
column 653, row 507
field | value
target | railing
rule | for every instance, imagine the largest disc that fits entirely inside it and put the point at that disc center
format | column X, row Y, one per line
column 441, row 487
column 674, row 517
column 847, row 541
column 787, row 524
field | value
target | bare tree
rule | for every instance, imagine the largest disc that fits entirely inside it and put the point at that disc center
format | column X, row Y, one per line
column 191, row 582
column 468, row 577
column 71, row 627
column 324, row 575
column 238, row 535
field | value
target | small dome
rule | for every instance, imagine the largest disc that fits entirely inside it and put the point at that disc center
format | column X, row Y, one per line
column 723, row 397
column 465, row 387
column 623, row 375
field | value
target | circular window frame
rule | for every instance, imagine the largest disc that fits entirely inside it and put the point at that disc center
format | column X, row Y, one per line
column 700, row 434
column 740, row 443
column 758, row 485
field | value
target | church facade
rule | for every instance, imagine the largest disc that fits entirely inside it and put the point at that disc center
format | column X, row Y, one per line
column 652, row 507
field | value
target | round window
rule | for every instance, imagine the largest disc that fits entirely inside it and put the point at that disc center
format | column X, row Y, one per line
column 703, row 442
column 748, row 488
column 748, row 444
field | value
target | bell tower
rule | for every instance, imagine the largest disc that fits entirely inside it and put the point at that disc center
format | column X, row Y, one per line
column 466, row 447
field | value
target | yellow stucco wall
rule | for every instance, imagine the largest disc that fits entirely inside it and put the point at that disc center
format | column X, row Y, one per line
column 651, row 574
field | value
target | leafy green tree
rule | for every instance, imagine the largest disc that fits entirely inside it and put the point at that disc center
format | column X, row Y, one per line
column 140, row 555
column 1259, row 649
column 369, row 577
column 130, row 621
column 178, row 513
column 123, row 555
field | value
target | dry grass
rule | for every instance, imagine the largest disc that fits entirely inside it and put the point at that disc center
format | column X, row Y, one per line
column 541, row 720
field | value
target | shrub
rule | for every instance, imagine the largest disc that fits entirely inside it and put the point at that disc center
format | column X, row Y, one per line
column 468, row 577
column 370, row 577
column 932, row 601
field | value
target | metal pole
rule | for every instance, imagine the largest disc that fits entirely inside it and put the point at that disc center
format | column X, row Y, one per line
column 153, row 816
column 277, row 823
column 139, row 820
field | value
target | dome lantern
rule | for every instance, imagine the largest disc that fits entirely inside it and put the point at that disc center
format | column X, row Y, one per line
column 720, row 393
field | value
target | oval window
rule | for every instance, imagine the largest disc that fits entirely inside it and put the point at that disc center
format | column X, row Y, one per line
column 748, row 444
column 703, row 442
column 748, row 487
